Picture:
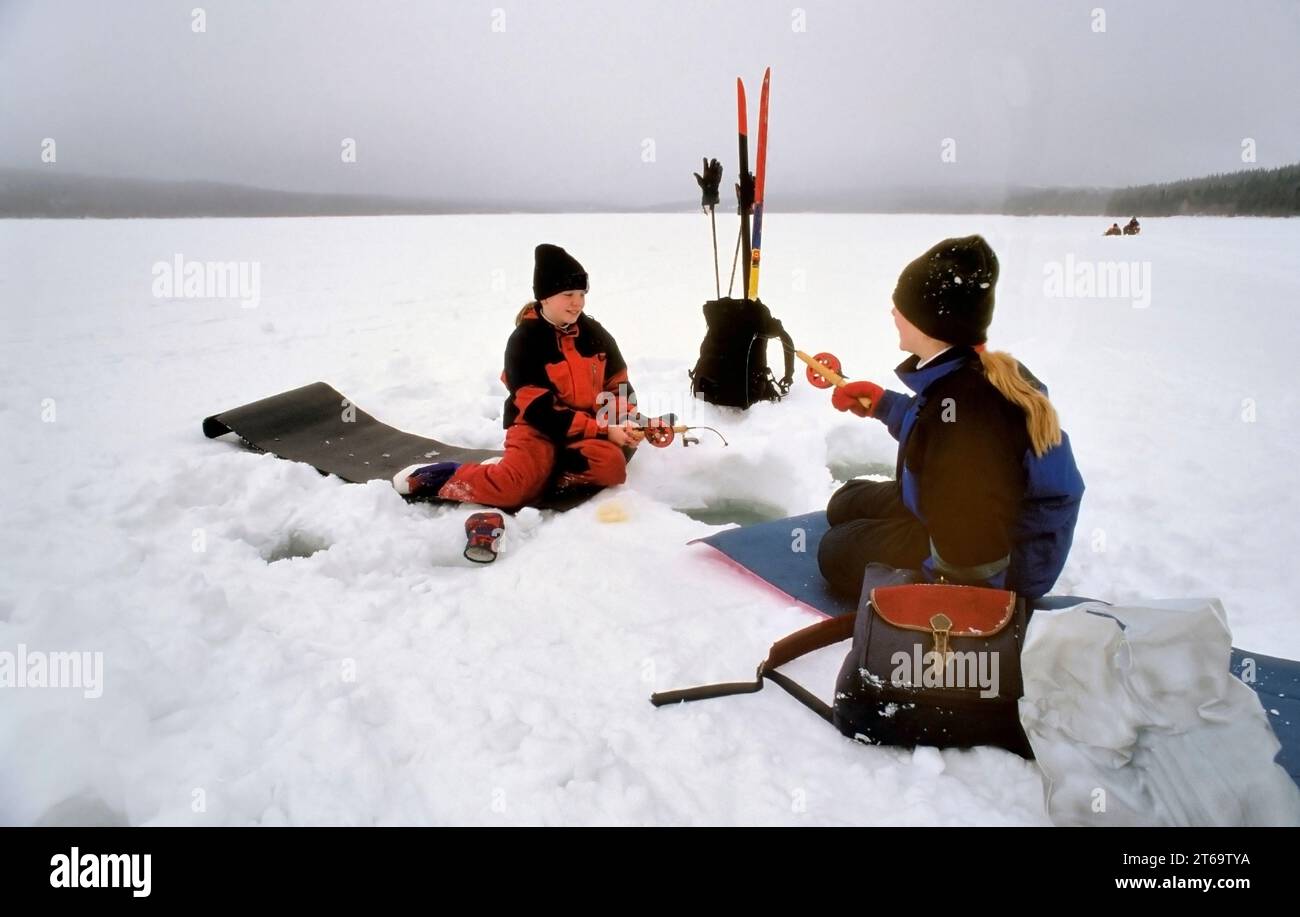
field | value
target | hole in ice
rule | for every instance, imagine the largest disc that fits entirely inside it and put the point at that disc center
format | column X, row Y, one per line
column 848, row 470
column 81, row 811
column 294, row 544
column 741, row 512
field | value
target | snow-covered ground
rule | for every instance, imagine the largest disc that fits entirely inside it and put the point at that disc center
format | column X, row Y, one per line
column 382, row 679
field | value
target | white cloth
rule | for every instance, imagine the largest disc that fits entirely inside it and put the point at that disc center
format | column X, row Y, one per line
column 933, row 357
column 1145, row 725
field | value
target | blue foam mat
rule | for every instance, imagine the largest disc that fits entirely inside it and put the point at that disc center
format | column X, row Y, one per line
column 764, row 551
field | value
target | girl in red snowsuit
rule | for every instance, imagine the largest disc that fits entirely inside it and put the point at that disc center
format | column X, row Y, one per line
column 567, row 415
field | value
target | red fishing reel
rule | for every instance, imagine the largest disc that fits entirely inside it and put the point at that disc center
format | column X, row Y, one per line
column 659, row 432
column 831, row 362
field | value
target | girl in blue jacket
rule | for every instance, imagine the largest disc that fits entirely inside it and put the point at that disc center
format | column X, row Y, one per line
column 986, row 490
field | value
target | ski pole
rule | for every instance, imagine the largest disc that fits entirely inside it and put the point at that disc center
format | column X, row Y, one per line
column 709, row 178
column 734, row 258
column 717, row 280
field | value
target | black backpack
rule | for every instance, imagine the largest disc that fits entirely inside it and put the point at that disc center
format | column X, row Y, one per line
column 732, row 369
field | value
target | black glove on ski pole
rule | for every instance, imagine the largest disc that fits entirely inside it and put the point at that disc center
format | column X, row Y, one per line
column 709, row 182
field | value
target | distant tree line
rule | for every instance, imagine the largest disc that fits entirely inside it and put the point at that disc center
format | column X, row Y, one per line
column 1253, row 192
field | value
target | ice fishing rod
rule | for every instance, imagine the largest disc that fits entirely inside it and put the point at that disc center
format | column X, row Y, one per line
column 660, row 431
column 824, row 372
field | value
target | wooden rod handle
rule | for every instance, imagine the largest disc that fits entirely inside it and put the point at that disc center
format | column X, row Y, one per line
column 830, row 375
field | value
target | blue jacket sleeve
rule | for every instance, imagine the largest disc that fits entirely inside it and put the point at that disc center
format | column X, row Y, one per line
column 893, row 405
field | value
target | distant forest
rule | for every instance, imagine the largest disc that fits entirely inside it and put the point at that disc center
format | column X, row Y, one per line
column 1253, row 192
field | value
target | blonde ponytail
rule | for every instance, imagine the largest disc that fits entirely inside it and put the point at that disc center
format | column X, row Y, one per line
column 1003, row 370
column 523, row 312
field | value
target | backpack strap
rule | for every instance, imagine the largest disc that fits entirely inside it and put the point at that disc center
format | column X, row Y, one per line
column 787, row 348
column 787, row 649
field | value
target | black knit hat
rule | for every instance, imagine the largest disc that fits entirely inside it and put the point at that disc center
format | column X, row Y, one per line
column 948, row 291
column 554, row 271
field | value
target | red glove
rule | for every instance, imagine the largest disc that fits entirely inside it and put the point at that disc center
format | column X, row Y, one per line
column 845, row 397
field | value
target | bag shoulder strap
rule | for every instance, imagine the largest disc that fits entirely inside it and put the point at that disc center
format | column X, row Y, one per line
column 776, row 329
column 800, row 643
column 787, row 346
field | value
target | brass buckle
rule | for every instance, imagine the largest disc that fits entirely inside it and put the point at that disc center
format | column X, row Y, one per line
column 940, row 627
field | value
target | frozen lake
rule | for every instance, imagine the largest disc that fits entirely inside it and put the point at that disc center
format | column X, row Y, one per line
column 383, row 680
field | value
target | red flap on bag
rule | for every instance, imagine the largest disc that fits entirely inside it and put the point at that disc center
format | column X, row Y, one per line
column 975, row 611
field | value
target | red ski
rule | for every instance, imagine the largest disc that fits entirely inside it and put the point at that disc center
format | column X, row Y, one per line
column 756, row 247
column 745, row 190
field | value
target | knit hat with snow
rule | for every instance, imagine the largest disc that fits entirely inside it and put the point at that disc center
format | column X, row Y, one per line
column 948, row 291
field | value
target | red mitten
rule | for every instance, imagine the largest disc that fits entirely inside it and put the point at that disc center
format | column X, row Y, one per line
column 845, row 397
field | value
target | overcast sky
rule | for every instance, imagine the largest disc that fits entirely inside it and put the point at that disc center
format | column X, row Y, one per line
column 548, row 100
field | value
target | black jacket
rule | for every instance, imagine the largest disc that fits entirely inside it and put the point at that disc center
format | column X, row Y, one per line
column 968, row 472
column 559, row 381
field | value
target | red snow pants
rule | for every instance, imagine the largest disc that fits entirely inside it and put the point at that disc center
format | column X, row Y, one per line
column 532, row 459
